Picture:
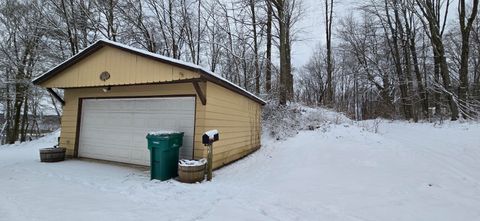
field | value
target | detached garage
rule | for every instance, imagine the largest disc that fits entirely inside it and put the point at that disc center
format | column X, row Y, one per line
column 114, row 95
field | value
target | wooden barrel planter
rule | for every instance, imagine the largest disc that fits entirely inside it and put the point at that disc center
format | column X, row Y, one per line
column 191, row 171
column 53, row 154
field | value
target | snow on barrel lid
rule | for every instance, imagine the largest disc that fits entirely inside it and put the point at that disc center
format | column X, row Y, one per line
column 192, row 163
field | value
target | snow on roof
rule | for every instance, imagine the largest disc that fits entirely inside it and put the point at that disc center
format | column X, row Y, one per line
column 180, row 62
column 151, row 54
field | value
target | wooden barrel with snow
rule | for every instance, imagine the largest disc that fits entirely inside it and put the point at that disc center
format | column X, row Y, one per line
column 191, row 171
column 53, row 154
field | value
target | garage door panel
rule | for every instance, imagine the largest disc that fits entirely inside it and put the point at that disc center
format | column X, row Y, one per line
column 139, row 140
column 118, row 141
column 115, row 129
column 121, row 155
column 108, row 133
column 163, row 123
column 97, row 144
column 111, row 119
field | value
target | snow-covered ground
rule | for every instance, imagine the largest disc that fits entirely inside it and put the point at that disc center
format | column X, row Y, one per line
column 339, row 172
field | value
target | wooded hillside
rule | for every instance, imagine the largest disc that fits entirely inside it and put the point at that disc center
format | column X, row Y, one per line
column 402, row 59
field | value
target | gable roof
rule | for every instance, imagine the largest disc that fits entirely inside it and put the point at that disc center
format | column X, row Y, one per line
column 208, row 75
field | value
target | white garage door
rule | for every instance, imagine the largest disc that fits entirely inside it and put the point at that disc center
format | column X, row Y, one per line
column 115, row 129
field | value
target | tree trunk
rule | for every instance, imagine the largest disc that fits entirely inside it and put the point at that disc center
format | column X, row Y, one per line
column 199, row 11
column 283, row 83
column 421, row 89
column 255, row 47
column 8, row 111
column 24, row 125
column 71, row 38
column 465, row 30
column 110, row 21
column 410, row 31
column 436, row 79
column 329, row 98
column 447, row 82
column 408, row 74
column 431, row 12
column 18, row 103
column 268, row 65
column 288, row 64
column 396, row 30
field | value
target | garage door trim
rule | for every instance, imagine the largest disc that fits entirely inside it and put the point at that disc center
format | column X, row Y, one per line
column 79, row 115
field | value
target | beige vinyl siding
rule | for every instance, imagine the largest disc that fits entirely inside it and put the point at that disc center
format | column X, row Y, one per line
column 237, row 119
column 72, row 96
column 125, row 69
column 236, row 116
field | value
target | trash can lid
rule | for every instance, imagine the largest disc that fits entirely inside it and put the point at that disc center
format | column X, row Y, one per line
column 162, row 133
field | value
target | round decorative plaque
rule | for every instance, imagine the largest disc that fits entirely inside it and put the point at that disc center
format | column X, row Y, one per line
column 104, row 76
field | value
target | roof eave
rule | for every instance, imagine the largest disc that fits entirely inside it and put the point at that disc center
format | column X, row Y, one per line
column 211, row 78
column 52, row 72
column 101, row 43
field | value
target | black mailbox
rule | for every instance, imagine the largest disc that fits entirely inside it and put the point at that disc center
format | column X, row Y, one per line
column 210, row 137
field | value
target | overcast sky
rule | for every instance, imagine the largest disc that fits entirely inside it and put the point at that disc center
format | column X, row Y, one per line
column 313, row 29
column 311, row 32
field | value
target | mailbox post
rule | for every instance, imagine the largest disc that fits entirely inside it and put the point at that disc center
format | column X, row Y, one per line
column 207, row 139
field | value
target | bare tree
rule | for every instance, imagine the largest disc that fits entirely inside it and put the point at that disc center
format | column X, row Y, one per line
column 21, row 41
column 108, row 8
column 254, row 24
column 434, row 22
column 328, row 33
column 140, row 28
column 268, row 62
column 370, row 57
column 465, row 31
column 411, row 33
column 286, row 14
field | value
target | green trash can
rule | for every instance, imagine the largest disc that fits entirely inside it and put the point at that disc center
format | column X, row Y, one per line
column 164, row 148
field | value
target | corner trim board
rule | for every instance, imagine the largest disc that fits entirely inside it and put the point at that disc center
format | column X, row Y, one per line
column 56, row 96
column 200, row 93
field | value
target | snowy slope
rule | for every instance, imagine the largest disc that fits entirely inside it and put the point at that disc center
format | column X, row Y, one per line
column 342, row 172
